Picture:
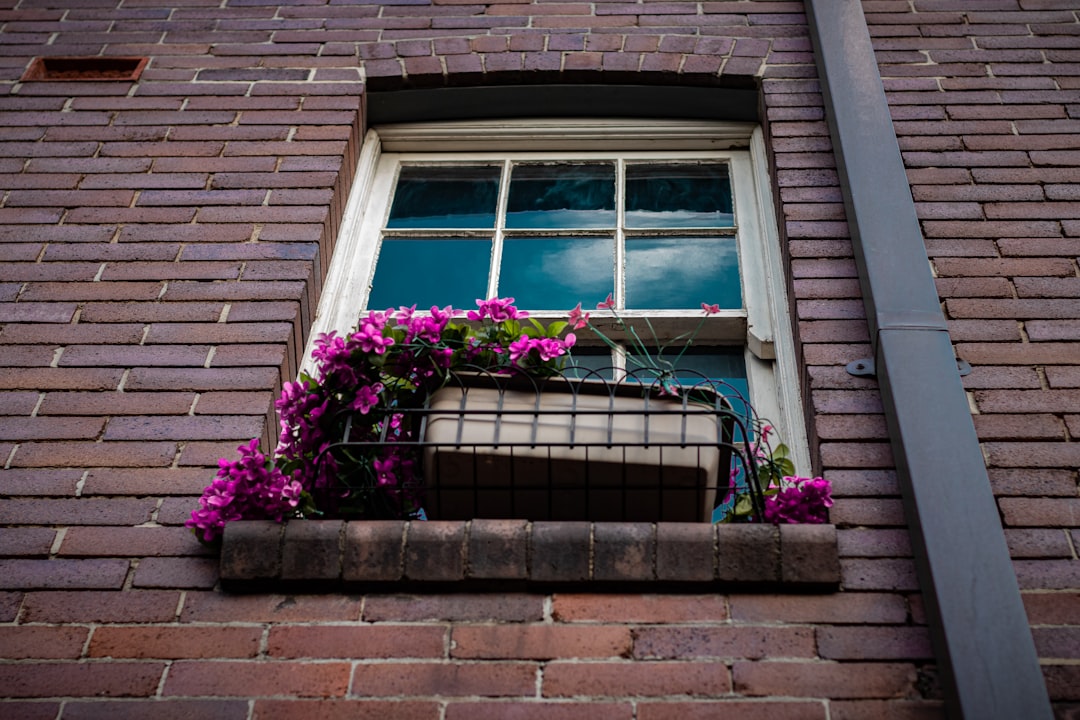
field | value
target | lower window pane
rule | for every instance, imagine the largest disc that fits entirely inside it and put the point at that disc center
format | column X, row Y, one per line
column 430, row 271
column 681, row 273
column 557, row 273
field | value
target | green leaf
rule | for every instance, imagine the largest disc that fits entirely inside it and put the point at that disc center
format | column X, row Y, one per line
column 555, row 328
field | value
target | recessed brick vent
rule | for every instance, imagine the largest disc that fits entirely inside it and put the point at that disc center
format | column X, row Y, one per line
column 81, row 69
column 503, row 554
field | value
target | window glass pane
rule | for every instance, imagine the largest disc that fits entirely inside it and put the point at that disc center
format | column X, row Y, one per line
column 556, row 273
column 702, row 363
column 561, row 195
column 583, row 359
column 448, row 197
column 676, row 196
column 681, row 273
column 430, row 271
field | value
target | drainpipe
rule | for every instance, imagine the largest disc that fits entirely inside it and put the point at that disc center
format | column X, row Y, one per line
column 980, row 632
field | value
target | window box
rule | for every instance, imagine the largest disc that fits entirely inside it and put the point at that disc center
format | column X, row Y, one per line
column 561, row 449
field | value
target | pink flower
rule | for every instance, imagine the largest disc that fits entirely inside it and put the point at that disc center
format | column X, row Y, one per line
column 608, row 304
column 520, row 348
column 800, row 500
column 578, row 319
column 371, row 339
column 498, row 309
column 291, row 493
column 367, row 397
column 710, row 309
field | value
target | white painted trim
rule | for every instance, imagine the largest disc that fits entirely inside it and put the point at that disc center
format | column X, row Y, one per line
column 334, row 306
column 562, row 134
column 786, row 385
column 765, row 325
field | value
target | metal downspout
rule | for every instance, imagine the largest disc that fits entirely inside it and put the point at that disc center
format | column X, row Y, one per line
column 982, row 640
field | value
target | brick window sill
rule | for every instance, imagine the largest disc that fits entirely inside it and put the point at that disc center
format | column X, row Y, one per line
column 479, row 555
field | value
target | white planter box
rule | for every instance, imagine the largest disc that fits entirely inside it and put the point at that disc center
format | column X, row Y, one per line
column 564, row 455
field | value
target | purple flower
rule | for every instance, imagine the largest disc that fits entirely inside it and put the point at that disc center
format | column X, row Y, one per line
column 800, row 500
column 578, row 319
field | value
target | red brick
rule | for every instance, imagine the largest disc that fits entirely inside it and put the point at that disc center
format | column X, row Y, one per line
column 40, row 428
column 745, row 710
column 208, row 427
column 1019, row 353
column 351, row 641
column 539, row 641
column 874, row 643
column 65, row 334
column 91, row 606
column 146, row 481
column 27, row 312
column 112, row 356
column 158, row 709
column 257, row 679
column 81, row 511
column 1038, row 543
column 456, row 607
column 444, row 679
column 102, row 679
column 86, row 454
column 878, row 574
column 171, row 642
column 836, row 609
column 538, row 710
column 61, row 379
column 37, row 642
column 887, row 709
column 104, row 403
column 346, row 709
column 233, row 332
column 62, row 574
column 1032, row 482
column 129, row 541
column 26, row 541
column 726, row 642
column 202, row 379
column 1056, row 608
column 568, row 679
column 1041, row 512
column 827, row 680
column 152, row 312
column 237, row 403
column 170, row 572
column 268, row 608
column 638, row 608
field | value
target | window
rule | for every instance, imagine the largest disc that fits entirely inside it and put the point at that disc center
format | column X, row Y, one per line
column 661, row 215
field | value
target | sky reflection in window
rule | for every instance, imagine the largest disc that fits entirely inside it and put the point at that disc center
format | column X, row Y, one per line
column 430, row 271
column 678, row 273
column 556, row 273
column 562, row 195
column 678, row 196
column 451, row 197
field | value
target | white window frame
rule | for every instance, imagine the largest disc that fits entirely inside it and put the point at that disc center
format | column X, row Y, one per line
column 763, row 325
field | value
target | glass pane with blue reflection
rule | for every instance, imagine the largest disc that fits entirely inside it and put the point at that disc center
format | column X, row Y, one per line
column 667, row 273
column 445, row 197
column 430, row 271
column 556, row 273
column 563, row 195
column 678, row 196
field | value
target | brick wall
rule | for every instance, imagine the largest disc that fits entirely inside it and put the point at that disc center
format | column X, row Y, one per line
column 164, row 243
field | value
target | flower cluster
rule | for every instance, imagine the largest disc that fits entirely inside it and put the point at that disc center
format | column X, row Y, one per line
column 392, row 361
column 799, row 500
column 347, row 445
column 248, row 487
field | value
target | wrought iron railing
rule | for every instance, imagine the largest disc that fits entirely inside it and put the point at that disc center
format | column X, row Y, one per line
column 584, row 447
